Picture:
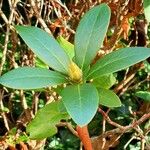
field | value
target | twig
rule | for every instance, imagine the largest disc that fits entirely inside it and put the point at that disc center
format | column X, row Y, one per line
column 7, row 35
column 23, row 100
column 128, row 127
column 64, row 6
column 5, row 49
column 110, row 45
column 126, row 87
column 104, row 130
column 41, row 7
column 2, row 108
column 3, row 16
column 141, row 120
column 143, row 144
column 35, row 102
column 124, row 82
column 8, row 23
column 129, row 77
column 69, row 126
column 120, row 130
column 41, row 21
column 139, row 83
column 109, row 120
column 132, row 138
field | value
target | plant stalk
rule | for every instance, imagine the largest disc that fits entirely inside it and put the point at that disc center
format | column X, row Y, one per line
column 84, row 137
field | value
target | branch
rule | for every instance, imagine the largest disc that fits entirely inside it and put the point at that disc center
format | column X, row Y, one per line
column 8, row 23
column 69, row 126
column 41, row 21
column 109, row 120
column 84, row 137
column 124, row 129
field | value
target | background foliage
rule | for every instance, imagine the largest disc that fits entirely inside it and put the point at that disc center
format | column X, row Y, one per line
column 125, row 127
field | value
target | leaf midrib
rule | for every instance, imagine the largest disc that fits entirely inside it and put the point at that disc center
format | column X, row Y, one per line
column 79, row 94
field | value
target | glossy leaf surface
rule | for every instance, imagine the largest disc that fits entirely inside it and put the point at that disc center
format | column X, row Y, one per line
column 106, row 81
column 109, row 98
column 118, row 60
column 45, row 47
column 90, row 34
column 31, row 78
column 44, row 123
column 81, row 102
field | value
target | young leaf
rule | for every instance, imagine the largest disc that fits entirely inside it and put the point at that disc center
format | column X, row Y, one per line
column 81, row 102
column 45, row 47
column 90, row 34
column 43, row 125
column 146, row 4
column 67, row 46
column 40, row 63
column 108, row 98
column 31, row 78
column 118, row 60
column 144, row 95
column 106, row 81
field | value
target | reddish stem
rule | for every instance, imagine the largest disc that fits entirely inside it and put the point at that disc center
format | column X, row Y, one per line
column 84, row 137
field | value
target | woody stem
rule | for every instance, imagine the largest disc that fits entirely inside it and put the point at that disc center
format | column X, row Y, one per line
column 84, row 137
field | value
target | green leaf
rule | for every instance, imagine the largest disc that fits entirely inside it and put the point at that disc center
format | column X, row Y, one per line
column 1, row 54
column 31, row 78
column 106, row 81
column 45, row 47
column 90, row 34
column 146, row 4
column 81, row 102
column 144, row 95
column 40, row 63
column 5, row 109
column 147, row 66
column 67, row 46
column 43, row 125
column 118, row 60
column 147, row 125
column 109, row 98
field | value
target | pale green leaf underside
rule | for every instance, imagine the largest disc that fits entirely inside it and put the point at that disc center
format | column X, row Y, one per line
column 45, row 47
column 146, row 4
column 108, row 98
column 31, row 78
column 145, row 95
column 67, row 46
column 90, row 34
column 43, row 125
column 81, row 102
column 118, row 60
column 39, row 63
